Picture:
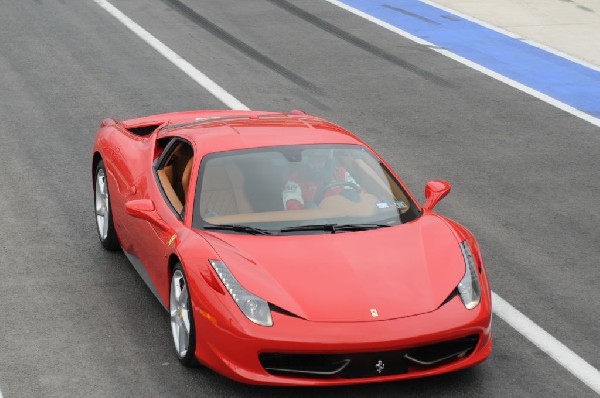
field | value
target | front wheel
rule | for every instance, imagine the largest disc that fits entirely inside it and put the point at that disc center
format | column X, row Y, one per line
column 182, row 322
column 104, row 220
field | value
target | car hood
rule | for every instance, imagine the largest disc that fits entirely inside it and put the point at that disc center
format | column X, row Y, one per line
column 397, row 271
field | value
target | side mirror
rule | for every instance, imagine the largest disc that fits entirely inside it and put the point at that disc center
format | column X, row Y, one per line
column 144, row 209
column 435, row 191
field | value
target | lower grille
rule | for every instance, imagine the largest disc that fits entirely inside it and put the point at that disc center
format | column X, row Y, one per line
column 372, row 364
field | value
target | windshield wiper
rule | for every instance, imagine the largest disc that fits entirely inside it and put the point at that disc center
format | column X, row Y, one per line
column 238, row 228
column 333, row 228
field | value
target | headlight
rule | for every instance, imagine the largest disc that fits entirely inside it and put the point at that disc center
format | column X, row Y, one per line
column 469, row 287
column 255, row 308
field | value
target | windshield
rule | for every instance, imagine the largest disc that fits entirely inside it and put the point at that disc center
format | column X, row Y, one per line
column 287, row 188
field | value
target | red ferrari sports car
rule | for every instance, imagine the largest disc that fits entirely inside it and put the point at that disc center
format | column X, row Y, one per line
column 286, row 250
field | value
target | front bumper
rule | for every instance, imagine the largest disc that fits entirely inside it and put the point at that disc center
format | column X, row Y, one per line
column 233, row 349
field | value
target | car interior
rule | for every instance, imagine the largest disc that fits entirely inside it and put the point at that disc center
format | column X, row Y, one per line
column 223, row 189
column 241, row 189
column 175, row 174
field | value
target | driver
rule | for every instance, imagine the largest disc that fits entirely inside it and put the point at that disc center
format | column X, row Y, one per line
column 317, row 171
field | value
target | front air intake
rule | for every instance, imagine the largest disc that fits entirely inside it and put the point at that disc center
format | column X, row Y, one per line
column 370, row 364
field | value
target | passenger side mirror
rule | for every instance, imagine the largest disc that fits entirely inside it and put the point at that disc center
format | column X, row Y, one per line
column 435, row 191
column 144, row 209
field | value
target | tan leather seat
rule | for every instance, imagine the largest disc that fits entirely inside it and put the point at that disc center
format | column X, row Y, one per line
column 223, row 189
column 185, row 178
column 165, row 181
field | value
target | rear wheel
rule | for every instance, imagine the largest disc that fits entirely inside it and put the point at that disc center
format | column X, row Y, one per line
column 182, row 321
column 104, row 220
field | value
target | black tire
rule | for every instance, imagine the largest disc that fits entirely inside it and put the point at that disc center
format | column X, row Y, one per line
column 189, row 358
column 111, row 241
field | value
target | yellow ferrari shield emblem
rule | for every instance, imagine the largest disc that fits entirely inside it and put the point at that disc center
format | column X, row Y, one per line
column 172, row 239
column 374, row 313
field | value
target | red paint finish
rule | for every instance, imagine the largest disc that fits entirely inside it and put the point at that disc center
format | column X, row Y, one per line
column 331, row 282
column 340, row 277
column 434, row 192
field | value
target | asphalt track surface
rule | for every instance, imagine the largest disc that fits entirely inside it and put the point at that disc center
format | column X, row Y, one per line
column 78, row 321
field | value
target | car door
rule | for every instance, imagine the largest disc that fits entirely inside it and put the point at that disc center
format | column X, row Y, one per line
column 166, row 186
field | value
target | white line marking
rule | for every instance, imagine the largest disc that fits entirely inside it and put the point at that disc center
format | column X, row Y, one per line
column 538, row 336
column 513, row 35
column 172, row 56
column 0, row 394
column 519, row 86
column 545, row 342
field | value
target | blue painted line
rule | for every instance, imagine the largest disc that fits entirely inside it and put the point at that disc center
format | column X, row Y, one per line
column 564, row 80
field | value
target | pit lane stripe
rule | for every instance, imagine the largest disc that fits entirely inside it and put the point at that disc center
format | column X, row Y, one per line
column 583, row 92
column 172, row 56
column 547, row 343
column 521, row 323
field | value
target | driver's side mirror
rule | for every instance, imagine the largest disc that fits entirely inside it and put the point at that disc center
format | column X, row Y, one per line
column 435, row 191
column 145, row 210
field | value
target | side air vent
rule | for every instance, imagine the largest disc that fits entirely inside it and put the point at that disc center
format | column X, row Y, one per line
column 143, row 130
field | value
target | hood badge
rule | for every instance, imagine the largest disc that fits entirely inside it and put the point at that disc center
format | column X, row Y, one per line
column 374, row 313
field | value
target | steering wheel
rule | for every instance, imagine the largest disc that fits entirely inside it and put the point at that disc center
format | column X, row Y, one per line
column 321, row 194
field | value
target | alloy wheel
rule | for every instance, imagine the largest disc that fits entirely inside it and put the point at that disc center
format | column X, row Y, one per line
column 180, row 316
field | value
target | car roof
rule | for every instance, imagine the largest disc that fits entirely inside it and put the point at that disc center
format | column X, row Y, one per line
column 249, row 130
